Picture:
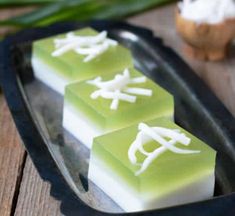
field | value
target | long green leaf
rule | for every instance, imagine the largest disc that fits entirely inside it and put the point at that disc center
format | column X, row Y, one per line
column 82, row 10
column 125, row 8
column 51, row 12
column 7, row 3
column 76, row 13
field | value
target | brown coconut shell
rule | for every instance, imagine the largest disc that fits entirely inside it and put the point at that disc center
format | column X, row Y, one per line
column 206, row 41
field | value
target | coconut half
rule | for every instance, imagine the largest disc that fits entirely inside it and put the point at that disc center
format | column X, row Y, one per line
column 206, row 38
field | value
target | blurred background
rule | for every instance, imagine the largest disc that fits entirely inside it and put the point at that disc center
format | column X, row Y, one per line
column 28, row 13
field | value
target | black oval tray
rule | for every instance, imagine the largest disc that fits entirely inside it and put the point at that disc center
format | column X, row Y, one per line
column 56, row 155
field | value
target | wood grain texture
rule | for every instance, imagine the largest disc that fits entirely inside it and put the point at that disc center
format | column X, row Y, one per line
column 34, row 196
column 29, row 195
column 11, row 160
column 219, row 76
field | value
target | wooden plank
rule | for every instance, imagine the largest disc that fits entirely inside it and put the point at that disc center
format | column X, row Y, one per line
column 34, row 197
column 219, row 76
column 11, row 160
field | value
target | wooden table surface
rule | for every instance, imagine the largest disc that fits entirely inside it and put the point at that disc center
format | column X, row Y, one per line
column 22, row 191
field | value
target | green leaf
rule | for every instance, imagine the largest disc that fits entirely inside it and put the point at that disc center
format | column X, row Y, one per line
column 80, row 10
column 45, row 12
column 7, row 3
column 127, row 7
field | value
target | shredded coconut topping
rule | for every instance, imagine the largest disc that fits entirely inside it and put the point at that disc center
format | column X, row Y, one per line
column 167, row 138
column 117, row 89
column 207, row 11
column 89, row 46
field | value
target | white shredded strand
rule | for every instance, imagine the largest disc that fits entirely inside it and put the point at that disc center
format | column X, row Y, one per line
column 83, row 40
column 173, row 134
column 94, row 81
column 158, row 134
column 144, row 139
column 89, row 51
column 138, row 91
column 134, row 148
column 117, row 89
column 119, row 82
column 64, row 49
column 115, row 102
column 137, row 145
column 138, row 80
column 89, row 58
column 150, row 132
column 93, row 51
column 90, row 46
column 112, row 42
column 156, row 153
column 143, row 151
column 96, row 94
column 119, row 96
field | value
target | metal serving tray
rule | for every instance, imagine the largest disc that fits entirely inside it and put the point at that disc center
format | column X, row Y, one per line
column 63, row 161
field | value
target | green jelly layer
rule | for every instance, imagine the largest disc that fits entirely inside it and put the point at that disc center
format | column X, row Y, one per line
column 98, row 111
column 167, row 173
column 70, row 65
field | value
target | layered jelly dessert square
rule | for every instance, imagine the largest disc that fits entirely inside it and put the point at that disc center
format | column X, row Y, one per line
column 112, row 101
column 152, row 165
column 76, row 56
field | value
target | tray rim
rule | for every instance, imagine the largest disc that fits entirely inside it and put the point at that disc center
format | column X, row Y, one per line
column 28, row 130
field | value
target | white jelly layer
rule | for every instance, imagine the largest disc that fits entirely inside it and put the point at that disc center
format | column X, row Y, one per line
column 79, row 126
column 48, row 75
column 130, row 201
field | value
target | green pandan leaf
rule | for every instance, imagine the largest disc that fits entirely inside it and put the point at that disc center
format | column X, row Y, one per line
column 6, row 3
column 72, row 10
